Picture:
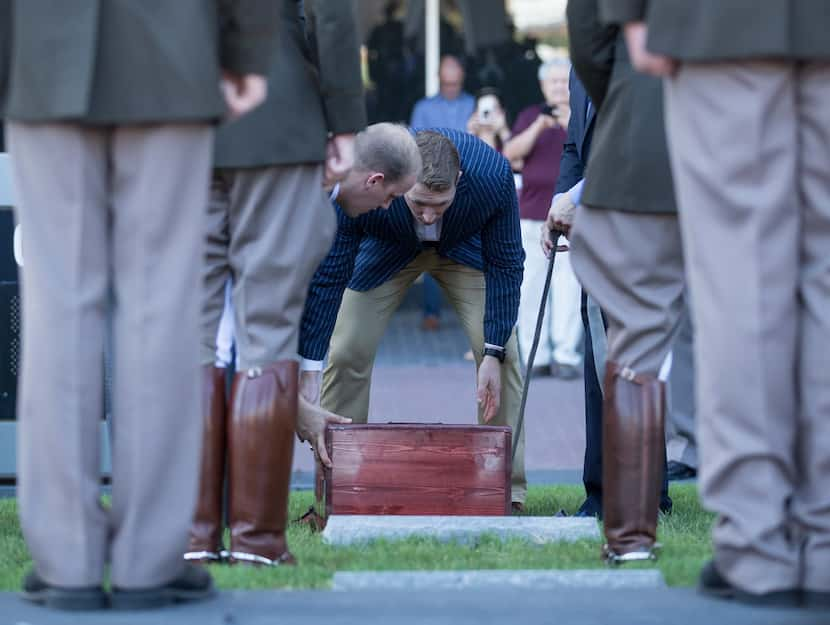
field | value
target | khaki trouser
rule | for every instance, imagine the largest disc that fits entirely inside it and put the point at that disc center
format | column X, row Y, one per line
column 122, row 208
column 268, row 229
column 361, row 323
column 750, row 148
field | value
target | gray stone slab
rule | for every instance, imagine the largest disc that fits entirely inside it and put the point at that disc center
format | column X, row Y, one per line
column 610, row 579
column 352, row 529
column 674, row 606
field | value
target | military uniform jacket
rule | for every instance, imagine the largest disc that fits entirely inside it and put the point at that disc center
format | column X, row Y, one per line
column 314, row 88
column 718, row 30
column 127, row 61
column 628, row 168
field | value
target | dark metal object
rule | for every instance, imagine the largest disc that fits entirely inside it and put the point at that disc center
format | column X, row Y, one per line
column 532, row 356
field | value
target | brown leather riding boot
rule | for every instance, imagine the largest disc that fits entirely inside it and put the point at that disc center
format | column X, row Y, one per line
column 633, row 444
column 206, row 530
column 260, row 448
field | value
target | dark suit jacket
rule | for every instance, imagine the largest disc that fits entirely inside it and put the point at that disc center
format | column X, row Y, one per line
column 128, row 61
column 629, row 165
column 580, row 131
column 5, row 51
column 480, row 229
column 711, row 30
column 315, row 87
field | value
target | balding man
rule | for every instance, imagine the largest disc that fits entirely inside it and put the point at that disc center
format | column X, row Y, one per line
column 459, row 223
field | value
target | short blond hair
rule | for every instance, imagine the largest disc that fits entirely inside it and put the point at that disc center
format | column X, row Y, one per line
column 441, row 162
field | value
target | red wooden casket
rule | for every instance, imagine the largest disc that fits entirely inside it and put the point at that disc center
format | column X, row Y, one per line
column 416, row 468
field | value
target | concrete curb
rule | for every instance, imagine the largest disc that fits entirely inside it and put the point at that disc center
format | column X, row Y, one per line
column 462, row 580
column 357, row 529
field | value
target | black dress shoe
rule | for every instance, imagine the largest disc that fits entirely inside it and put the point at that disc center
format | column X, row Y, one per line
column 666, row 505
column 814, row 599
column 565, row 372
column 713, row 584
column 539, row 371
column 590, row 507
column 678, row 471
column 36, row 590
column 194, row 584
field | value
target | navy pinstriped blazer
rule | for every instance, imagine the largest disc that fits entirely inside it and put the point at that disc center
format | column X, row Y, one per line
column 480, row 229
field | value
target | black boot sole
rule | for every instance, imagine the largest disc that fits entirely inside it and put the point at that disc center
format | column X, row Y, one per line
column 779, row 599
column 156, row 598
column 80, row 600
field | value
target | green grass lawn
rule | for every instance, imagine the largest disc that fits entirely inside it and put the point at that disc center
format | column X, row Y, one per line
column 684, row 535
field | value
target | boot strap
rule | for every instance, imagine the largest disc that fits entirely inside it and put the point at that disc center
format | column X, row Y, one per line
column 613, row 558
column 203, row 556
column 629, row 375
column 256, row 559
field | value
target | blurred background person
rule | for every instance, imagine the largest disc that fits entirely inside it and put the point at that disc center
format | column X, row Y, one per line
column 391, row 66
column 539, row 137
column 489, row 119
column 450, row 108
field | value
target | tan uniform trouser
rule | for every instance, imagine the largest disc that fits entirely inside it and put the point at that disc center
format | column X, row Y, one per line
column 112, row 220
column 752, row 174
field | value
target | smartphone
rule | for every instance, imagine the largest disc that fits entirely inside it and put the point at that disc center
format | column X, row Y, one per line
column 550, row 110
column 486, row 108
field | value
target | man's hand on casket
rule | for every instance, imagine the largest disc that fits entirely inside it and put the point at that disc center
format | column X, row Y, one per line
column 489, row 387
column 311, row 427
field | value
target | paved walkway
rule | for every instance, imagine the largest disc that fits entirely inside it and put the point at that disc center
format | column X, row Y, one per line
column 474, row 607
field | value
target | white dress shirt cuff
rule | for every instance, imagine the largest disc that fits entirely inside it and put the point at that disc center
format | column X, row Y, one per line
column 576, row 192
column 311, row 365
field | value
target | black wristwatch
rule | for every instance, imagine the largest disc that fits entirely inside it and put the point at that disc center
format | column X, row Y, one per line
column 496, row 353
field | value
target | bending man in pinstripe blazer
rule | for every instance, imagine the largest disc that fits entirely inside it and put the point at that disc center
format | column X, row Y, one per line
column 460, row 224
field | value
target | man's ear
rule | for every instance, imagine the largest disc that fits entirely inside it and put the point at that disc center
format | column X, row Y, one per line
column 458, row 177
column 376, row 178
